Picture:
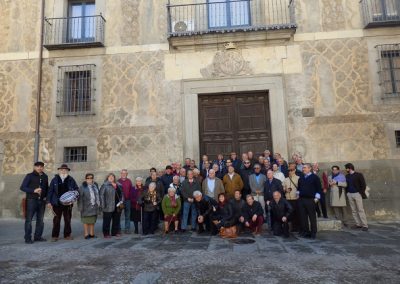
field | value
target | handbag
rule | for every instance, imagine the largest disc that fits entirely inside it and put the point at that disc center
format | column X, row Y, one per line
column 228, row 232
column 120, row 205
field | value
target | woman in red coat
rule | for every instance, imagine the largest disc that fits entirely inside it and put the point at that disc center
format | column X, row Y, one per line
column 136, row 209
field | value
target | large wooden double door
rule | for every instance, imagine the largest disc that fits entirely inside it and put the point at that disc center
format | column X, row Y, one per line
column 234, row 122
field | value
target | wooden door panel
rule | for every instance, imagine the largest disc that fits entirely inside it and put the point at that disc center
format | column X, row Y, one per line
column 234, row 122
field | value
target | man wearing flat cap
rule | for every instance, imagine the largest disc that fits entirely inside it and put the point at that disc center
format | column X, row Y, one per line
column 35, row 185
column 60, row 184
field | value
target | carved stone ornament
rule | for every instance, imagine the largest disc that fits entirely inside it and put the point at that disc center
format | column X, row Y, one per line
column 226, row 63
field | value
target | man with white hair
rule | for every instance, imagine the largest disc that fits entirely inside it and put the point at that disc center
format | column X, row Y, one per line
column 212, row 186
column 204, row 208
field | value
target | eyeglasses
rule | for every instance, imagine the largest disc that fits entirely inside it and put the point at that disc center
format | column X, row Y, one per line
column 257, row 168
column 89, row 178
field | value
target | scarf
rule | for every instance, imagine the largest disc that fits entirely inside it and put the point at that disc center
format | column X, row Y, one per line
column 173, row 201
column 339, row 178
column 152, row 196
column 93, row 200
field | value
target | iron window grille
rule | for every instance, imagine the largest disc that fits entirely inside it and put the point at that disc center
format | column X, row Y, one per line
column 76, row 89
column 397, row 136
column 75, row 154
column 389, row 69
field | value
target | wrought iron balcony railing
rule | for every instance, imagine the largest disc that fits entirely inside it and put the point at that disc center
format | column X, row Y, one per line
column 74, row 32
column 219, row 16
column 377, row 13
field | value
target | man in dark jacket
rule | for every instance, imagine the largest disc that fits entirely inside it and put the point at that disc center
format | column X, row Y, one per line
column 166, row 179
column 238, row 204
column 253, row 215
column 35, row 185
column 280, row 213
column 204, row 207
column 189, row 186
column 271, row 185
column 356, row 187
column 236, row 163
column 245, row 174
column 60, row 184
column 309, row 189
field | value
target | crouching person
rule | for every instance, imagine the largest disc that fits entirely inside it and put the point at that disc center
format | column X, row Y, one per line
column 171, row 206
column 253, row 215
column 223, row 218
column 150, row 199
column 204, row 208
column 280, row 213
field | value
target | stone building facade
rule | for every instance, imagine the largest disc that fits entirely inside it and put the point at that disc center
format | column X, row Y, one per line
column 319, row 63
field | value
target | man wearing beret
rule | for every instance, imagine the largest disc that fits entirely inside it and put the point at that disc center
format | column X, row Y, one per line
column 35, row 185
column 60, row 184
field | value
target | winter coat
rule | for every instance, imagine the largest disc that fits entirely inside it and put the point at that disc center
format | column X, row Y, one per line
column 52, row 195
column 245, row 175
column 225, row 214
column 135, row 196
column 159, row 186
column 270, row 188
column 84, row 205
column 337, row 193
column 238, row 206
column 204, row 207
column 218, row 188
column 147, row 203
column 254, row 186
column 230, row 185
column 280, row 209
column 188, row 188
column 293, row 183
column 168, row 209
column 109, row 196
column 249, row 211
column 32, row 181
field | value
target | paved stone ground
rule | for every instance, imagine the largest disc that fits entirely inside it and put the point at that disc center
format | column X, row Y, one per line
column 335, row 257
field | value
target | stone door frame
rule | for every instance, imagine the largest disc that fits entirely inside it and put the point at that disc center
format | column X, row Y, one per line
column 190, row 111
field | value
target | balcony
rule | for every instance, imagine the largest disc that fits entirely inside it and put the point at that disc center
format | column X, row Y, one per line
column 74, row 32
column 205, row 21
column 380, row 13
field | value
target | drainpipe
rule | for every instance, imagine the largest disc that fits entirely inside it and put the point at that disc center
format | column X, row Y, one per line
column 39, row 85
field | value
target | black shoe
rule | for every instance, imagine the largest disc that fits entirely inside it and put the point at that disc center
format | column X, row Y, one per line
column 87, row 237
column 365, row 229
column 183, row 231
column 28, row 241
column 40, row 239
column 136, row 232
column 93, row 236
column 193, row 230
column 312, row 236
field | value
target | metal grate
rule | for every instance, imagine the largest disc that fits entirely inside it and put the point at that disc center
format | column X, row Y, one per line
column 218, row 16
column 389, row 69
column 397, row 135
column 380, row 12
column 74, row 31
column 75, row 154
column 75, row 91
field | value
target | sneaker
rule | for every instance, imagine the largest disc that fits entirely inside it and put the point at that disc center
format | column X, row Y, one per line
column 54, row 239
column 29, row 242
column 40, row 239
column 365, row 229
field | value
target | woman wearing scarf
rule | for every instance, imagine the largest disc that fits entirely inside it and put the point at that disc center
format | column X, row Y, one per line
column 171, row 206
column 136, row 208
column 223, row 216
column 337, row 184
column 88, row 205
column 150, row 200
column 111, row 200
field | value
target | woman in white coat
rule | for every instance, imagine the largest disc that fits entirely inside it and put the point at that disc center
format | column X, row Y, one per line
column 337, row 185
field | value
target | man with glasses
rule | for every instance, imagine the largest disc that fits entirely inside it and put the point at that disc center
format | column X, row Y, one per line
column 257, row 181
column 245, row 174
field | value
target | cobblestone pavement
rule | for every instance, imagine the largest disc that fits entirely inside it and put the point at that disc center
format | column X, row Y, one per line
column 347, row 256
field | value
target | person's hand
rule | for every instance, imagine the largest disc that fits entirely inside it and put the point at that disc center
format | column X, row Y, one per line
column 200, row 219
column 241, row 219
column 258, row 192
column 324, row 190
column 173, row 215
column 247, row 224
column 316, row 200
column 38, row 190
column 154, row 203
column 190, row 199
column 49, row 205
column 284, row 219
column 267, row 202
column 254, row 218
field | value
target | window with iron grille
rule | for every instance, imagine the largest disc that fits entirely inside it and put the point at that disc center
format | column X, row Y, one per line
column 75, row 154
column 389, row 73
column 397, row 135
column 75, row 91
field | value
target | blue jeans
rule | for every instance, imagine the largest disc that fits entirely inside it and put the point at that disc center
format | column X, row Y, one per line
column 34, row 206
column 187, row 206
column 127, row 213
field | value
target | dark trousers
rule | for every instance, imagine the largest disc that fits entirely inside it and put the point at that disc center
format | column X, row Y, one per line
column 280, row 228
column 150, row 222
column 321, row 203
column 66, row 212
column 206, row 225
column 115, row 218
column 294, row 217
column 307, row 212
column 34, row 206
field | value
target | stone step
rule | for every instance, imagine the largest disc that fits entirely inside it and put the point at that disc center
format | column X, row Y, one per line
column 329, row 224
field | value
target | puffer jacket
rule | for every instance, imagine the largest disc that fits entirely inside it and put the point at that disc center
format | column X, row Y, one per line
column 109, row 196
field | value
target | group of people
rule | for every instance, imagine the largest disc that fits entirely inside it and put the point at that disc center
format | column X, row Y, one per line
column 225, row 196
